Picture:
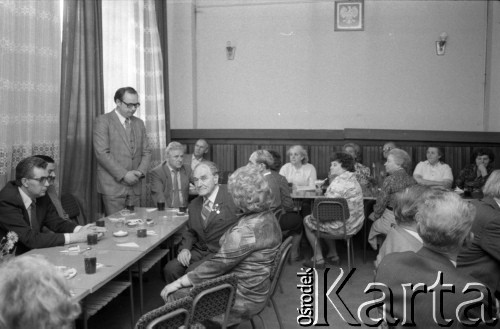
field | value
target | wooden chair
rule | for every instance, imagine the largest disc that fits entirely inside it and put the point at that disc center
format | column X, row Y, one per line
column 330, row 210
column 280, row 260
column 171, row 315
column 213, row 297
column 71, row 207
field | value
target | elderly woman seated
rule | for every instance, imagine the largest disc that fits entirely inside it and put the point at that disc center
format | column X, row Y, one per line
column 475, row 175
column 300, row 173
column 344, row 185
column 247, row 249
column 443, row 222
column 403, row 236
column 35, row 294
column 434, row 172
column 398, row 162
column 362, row 172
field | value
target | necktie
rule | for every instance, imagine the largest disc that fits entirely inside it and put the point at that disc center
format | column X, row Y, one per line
column 176, row 198
column 32, row 215
column 205, row 211
column 130, row 133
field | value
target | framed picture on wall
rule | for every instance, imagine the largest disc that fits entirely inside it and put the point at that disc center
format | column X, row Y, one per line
column 349, row 15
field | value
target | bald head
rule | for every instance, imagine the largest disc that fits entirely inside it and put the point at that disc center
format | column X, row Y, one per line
column 200, row 148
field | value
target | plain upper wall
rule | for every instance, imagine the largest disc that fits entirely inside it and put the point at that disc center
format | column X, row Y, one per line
column 292, row 70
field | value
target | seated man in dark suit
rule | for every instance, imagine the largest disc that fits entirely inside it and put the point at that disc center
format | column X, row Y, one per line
column 170, row 180
column 25, row 208
column 443, row 222
column 481, row 258
column 210, row 215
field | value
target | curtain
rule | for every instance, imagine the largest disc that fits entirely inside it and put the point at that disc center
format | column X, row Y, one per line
column 82, row 100
column 30, row 57
column 161, row 19
column 132, row 57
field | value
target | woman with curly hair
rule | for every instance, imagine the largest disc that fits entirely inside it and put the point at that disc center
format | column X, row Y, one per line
column 35, row 294
column 247, row 249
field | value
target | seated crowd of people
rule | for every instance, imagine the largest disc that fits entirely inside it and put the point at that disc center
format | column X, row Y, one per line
column 238, row 227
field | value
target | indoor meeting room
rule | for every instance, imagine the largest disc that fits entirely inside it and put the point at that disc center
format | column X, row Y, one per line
column 249, row 164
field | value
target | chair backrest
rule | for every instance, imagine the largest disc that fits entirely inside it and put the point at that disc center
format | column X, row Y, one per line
column 281, row 258
column 70, row 206
column 213, row 297
column 330, row 209
column 171, row 315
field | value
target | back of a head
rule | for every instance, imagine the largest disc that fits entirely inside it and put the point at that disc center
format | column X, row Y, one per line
column 407, row 203
column 35, row 294
column 249, row 189
column 444, row 221
column 276, row 160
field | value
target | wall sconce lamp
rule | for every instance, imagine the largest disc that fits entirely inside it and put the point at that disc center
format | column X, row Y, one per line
column 441, row 44
column 230, row 51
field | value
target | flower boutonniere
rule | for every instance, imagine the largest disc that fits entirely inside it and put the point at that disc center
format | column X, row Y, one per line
column 216, row 208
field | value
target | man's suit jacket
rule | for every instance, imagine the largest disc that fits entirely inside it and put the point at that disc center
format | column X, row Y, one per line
column 422, row 267
column 481, row 258
column 398, row 240
column 223, row 216
column 188, row 159
column 161, row 183
column 14, row 217
column 114, row 155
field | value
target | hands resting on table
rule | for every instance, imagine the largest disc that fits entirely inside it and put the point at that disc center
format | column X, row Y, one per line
column 81, row 235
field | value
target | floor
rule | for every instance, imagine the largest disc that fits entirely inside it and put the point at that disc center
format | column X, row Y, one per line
column 116, row 315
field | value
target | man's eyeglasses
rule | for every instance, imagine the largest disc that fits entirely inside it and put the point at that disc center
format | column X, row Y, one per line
column 132, row 106
column 44, row 179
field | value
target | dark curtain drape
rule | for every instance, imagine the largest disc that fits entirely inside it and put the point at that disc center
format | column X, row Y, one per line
column 82, row 100
column 161, row 20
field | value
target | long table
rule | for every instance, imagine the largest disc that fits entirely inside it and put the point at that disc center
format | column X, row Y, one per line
column 114, row 257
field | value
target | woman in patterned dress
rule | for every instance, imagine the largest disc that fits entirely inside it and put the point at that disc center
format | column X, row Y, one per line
column 397, row 166
column 344, row 185
column 247, row 249
column 361, row 171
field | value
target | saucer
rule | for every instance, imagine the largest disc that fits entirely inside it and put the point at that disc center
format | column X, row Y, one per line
column 120, row 233
column 68, row 272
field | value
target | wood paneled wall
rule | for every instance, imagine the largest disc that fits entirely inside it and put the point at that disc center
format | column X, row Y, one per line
column 231, row 148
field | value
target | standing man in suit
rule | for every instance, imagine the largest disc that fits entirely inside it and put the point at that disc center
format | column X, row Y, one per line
column 200, row 149
column 25, row 208
column 170, row 179
column 481, row 258
column 122, row 152
column 443, row 222
column 210, row 215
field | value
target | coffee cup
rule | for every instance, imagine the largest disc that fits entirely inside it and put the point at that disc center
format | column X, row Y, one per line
column 141, row 233
column 100, row 222
column 160, row 206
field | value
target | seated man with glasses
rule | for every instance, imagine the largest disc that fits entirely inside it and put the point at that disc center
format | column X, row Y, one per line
column 51, row 190
column 25, row 208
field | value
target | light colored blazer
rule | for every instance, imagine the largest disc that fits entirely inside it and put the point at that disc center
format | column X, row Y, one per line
column 115, row 156
column 161, row 182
